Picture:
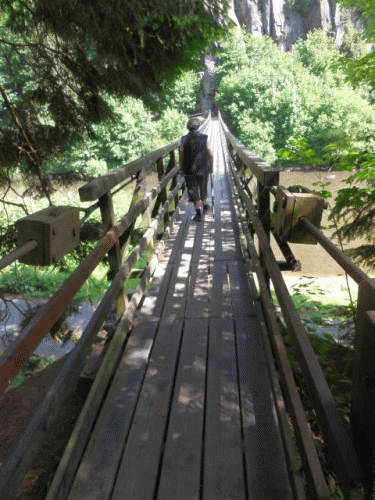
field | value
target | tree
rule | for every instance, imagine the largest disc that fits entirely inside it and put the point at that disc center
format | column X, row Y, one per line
column 354, row 206
column 271, row 99
column 67, row 54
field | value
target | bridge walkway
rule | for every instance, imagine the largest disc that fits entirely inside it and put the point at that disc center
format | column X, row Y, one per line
column 190, row 412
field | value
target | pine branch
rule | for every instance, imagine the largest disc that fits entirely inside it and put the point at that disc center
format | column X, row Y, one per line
column 32, row 153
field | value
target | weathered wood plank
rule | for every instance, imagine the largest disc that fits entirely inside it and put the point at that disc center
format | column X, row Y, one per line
column 175, row 301
column 176, row 297
column 242, row 298
column 220, row 300
column 266, row 468
column 231, row 237
column 197, row 302
column 179, row 240
column 97, row 471
column 176, row 236
column 202, row 246
column 181, row 467
column 223, row 475
column 154, row 300
column 138, row 471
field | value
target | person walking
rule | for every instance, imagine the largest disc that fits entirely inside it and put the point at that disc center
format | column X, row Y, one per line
column 196, row 164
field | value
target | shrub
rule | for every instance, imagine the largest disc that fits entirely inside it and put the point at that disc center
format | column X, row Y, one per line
column 172, row 125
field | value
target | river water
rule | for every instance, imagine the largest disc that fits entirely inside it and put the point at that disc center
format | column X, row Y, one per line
column 315, row 261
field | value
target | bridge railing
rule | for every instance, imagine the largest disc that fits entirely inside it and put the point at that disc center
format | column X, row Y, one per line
column 343, row 450
column 257, row 177
column 158, row 206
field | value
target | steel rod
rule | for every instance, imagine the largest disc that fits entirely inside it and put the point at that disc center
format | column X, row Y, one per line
column 18, row 253
column 348, row 266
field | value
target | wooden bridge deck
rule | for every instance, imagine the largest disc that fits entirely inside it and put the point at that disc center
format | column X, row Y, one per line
column 190, row 413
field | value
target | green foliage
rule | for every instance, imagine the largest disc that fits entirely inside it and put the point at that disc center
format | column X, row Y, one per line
column 258, row 136
column 290, row 98
column 59, row 61
column 301, row 109
column 321, row 307
column 111, row 145
column 301, row 6
column 360, row 67
column 182, row 93
column 353, row 46
column 317, row 52
column 34, row 364
column 20, row 279
column 172, row 125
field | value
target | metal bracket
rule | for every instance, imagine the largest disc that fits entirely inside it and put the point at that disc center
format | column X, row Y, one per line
column 291, row 263
column 289, row 207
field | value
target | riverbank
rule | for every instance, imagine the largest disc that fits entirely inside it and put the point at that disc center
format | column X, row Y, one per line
column 326, row 305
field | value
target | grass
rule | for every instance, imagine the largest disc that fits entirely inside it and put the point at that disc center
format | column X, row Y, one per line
column 34, row 364
column 324, row 305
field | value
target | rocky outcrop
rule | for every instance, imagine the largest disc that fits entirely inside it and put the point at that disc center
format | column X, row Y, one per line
column 285, row 20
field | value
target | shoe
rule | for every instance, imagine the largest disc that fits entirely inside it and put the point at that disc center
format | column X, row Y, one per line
column 198, row 217
column 206, row 208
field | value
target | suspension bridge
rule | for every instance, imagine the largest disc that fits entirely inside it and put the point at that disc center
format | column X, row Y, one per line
column 194, row 397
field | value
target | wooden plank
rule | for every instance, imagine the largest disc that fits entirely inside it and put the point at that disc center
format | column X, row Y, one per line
column 197, row 303
column 217, row 237
column 266, row 468
column 220, row 300
column 181, row 467
column 202, row 250
column 138, row 471
column 175, row 301
column 296, row 477
column 97, row 471
column 242, row 298
column 155, row 297
column 177, row 232
column 179, row 240
column 217, row 243
column 64, row 475
column 223, row 475
column 231, row 235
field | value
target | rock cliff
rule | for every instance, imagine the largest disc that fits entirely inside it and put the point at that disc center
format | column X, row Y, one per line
column 287, row 20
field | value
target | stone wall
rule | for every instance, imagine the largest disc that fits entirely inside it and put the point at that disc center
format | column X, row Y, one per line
column 284, row 25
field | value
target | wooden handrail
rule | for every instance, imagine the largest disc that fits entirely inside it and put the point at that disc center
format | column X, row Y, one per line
column 265, row 174
column 98, row 187
column 343, row 454
column 16, row 466
column 16, row 355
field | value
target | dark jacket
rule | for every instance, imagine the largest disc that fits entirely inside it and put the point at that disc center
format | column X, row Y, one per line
column 195, row 160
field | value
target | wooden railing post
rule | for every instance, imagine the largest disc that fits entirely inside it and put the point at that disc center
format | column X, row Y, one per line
column 108, row 219
column 171, row 165
column 114, row 254
column 142, row 179
column 363, row 397
column 137, row 196
column 163, row 194
column 265, row 216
